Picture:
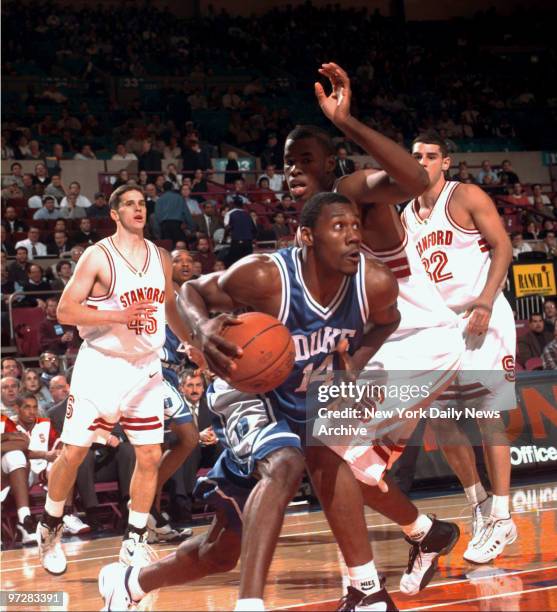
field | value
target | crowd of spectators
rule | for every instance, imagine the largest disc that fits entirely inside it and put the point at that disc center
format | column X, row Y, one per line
column 37, row 398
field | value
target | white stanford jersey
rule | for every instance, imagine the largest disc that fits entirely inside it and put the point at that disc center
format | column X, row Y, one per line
column 41, row 438
column 419, row 303
column 127, row 286
column 456, row 259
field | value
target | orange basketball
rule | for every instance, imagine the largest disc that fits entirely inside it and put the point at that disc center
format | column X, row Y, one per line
column 268, row 354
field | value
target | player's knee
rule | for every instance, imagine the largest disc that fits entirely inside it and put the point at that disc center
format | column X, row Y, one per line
column 220, row 556
column 148, row 456
column 73, row 456
column 13, row 460
column 285, row 466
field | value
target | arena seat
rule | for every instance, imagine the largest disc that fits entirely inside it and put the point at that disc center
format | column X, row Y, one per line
column 26, row 322
column 534, row 363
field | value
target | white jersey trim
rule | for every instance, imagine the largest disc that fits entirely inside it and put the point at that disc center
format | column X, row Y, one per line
column 112, row 266
column 454, row 185
column 361, row 290
column 285, row 287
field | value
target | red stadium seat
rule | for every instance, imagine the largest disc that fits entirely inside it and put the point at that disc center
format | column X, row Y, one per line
column 26, row 323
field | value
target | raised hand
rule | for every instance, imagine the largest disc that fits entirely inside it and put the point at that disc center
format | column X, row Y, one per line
column 336, row 105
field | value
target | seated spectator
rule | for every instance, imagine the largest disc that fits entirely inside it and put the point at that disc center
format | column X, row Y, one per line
column 238, row 192
column 35, row 152
column 16, row 176
column 272, row 152
column 55, row 337
column 487, row 171
column 507, row 176
column 12, row 367
column 538, row 195
column 265, row 195
column 85, row 153
column 81, row 201
column 123, row 154
column 532, row 344
column 159, row 184
column 196, row 269
column 122, row 179
column 12, row 223
column 72, row 210
column 30, row 190
column 279, row 227
column 41, row 178
column 17, row 270
column 34, row 247
column 276, row 181
column 209, row 222
column 55, row 188
column 36, row 281
column 463, row 175
column 344, row 165
column 517, row 196
column 85, row 235
column 63, row 274
column 75, row 253
column 549, row 314
column 219, row 266
column 48, row 212
column 518, row 244
column 172, row 216
column 532, row 231
column 191, row 204
column 6, row 242
column 199, row 187
column 49, row 364
column 15, row 466
column 549, row 244
column 31, row 383
column 549, row 354
column 100, row 208
column 9, row 389
column 173, row 176
column 205, row 255
column 60, row 244
column 172, row 150
column 547, row 226
column 451, row 145
column 539, row 206
column 150, row 159
column 286, row 205
column 262, row 229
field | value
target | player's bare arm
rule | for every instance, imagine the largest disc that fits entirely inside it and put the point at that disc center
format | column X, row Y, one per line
column 253, row 281
column 402, row 177
column 473, row 208
column 384, row 317
column 92, row 277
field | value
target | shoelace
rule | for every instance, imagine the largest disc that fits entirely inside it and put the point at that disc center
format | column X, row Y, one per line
column 415, row 552
column 349, row 601
column 488, row 527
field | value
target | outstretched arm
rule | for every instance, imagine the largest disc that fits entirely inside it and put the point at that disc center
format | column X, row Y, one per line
column 402, row 177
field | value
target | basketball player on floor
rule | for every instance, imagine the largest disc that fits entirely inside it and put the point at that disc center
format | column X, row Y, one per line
column 427, row 344
column 120, row 296
column 178, row 418
column 457, row 232
column 326, row 293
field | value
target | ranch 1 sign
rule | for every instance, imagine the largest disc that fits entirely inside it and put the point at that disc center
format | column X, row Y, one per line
column 534, row 279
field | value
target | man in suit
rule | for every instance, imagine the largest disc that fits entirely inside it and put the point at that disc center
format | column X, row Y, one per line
column 532, row 344
column 209, row 221
column 12, row 223
column 192, row 386
column 344, row 165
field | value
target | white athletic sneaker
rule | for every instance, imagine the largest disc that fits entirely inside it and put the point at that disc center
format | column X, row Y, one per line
column 495, row 535
column 424, row 556
column 51, row 554
column 73, row 525
column 136, row 552
column 27, row 531
column 113, row 589
column 479, row 515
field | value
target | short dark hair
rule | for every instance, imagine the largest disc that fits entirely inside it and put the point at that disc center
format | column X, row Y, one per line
column 167, row 186
column 25, row 396
column 14, row 164
column 314, row 206
column 115, row 196
column 433, row 139
column 302, row 132
column 534, row 314
column 62, row 262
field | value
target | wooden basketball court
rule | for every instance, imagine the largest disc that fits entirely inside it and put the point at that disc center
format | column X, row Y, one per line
column 306, row 573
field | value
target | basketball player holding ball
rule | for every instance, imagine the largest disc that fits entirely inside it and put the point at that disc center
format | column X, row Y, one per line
column 327, row 294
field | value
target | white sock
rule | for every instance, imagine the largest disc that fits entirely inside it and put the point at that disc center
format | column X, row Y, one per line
column 500, row 507
column 475, row 494
column 418, row 530
column 251, row 604
column 364, row 578
column 138, row 519
column 22, row 513
column 134, row 587
column 54, row 508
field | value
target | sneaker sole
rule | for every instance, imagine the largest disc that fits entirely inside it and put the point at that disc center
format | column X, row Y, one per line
column 106, row 607
column 55, row 573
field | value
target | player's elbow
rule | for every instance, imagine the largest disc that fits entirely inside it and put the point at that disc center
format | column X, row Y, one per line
column 63, row 313
column 421, row 181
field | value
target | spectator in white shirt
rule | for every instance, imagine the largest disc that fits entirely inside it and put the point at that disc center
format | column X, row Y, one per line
column 81, row 201
column 518, row 244
column 85, row 153
column 487, row 171
column 276, row 180
column 538, row 196
column 122, row 153
column 34, row 247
